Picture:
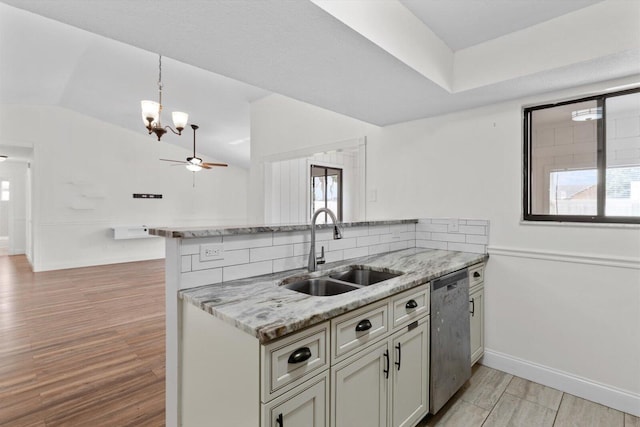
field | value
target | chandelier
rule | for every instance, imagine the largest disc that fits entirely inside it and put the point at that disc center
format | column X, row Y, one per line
column 151, row 111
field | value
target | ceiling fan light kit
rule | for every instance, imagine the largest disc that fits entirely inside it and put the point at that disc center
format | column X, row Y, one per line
column 3, row 158
column 152, row 110
column 194, row 163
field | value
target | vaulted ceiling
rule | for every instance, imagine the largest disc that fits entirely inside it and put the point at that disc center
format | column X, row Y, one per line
column 382, row 62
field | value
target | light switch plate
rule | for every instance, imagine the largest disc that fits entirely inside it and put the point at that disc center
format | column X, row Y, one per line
column 211, row 252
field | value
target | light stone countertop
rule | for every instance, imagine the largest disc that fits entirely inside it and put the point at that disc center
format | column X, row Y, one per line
column 258, row 306
column 213, row 231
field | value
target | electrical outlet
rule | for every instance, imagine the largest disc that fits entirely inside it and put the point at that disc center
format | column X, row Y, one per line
column 453, row 225
column 211, row 252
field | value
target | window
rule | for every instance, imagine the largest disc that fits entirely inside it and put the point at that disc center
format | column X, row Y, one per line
column 582, row 160
column 326, row 191
column 4, row 191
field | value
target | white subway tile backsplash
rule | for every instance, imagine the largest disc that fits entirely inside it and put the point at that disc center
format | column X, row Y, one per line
column 432, row 244
column 435, row 228
column 247, row 270
column 368, row 241
column 423, row 235
column 472, row 229
column 193, row 279
column 396, row 246
column 333, row 256
column 379, row 249
column 335, row 245
column 356, row 252
column 408, row 235
column 397, row 228
column 270, row 252
column 191, row 247
column 378, row 229
column 230, row 258
column 290, row 263
column 349, row 232
column 246, row 241
column 448, row 237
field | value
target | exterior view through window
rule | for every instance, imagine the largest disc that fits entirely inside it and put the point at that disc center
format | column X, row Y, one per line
column 326, row 191
column 582, row 160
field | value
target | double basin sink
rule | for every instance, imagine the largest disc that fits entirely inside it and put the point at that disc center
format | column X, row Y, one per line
column 355, row 277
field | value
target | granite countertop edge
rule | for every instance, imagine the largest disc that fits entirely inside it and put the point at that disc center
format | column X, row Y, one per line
column 267, row 311
column 213, row 231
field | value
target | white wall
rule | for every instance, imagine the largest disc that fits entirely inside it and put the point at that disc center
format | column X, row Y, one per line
column 14, row 211
column 283, row 125
column 288, row 183
column 563, row 301
column 84, row 174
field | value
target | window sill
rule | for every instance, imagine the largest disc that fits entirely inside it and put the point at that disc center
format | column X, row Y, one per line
column 606, row 225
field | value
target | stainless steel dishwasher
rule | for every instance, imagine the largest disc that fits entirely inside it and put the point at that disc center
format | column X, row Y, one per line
column 450, row 343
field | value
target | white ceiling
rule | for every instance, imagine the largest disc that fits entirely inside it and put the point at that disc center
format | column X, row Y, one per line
column 296, row 48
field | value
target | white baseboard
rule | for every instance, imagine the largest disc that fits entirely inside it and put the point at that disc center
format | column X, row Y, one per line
column 582, row 387
column 91, row 263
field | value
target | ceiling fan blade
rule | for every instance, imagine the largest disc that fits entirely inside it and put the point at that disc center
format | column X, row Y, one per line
column 169, row 160
column 215, row 164
column 205, row 166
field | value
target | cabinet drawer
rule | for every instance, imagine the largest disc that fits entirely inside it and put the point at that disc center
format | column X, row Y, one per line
column 410, row 305
column 476, row 275
column 358, row 328
column 293, row 359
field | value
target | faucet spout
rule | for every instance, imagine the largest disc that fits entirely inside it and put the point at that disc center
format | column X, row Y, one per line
column 337, row 234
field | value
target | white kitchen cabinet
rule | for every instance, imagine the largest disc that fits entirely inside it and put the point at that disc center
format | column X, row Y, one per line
column 410, row 375
column 476, row 311
column 359, row 389
column 386, row 384
column 304, row 406
column 374, row 376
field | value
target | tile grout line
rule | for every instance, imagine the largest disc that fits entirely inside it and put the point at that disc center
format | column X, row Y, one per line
column 558, row 410
column 498, row 400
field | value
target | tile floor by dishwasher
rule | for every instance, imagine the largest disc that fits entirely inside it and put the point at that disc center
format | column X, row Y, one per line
column 493, row 398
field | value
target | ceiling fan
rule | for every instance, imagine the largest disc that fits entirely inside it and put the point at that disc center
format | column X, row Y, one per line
column 194, row 163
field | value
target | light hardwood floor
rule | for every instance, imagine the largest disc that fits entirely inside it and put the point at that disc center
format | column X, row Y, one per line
column 85, row 347
column 82, row 347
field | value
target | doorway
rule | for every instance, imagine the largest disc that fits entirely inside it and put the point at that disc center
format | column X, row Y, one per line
column 5, row 196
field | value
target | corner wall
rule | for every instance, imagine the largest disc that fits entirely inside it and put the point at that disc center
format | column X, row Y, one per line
column 84, row 173
column 562, row 300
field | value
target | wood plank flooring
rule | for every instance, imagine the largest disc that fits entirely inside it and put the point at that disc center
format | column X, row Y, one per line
column 82, row 347
column 85, row 347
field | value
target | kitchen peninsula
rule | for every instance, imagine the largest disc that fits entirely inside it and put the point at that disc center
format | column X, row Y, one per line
column 257, row 312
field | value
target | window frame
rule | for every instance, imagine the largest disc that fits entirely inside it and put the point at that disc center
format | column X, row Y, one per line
column 601, row 164
column 340, row 189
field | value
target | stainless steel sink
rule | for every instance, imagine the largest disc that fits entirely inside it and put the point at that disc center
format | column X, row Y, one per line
column 321, row 287
column 363, row 276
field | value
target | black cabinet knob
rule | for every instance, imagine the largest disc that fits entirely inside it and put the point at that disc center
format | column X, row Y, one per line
column 364, row 325
column 411, row 304
column 300, row 355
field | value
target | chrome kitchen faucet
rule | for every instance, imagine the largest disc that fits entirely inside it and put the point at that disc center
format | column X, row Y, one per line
column 337, row 234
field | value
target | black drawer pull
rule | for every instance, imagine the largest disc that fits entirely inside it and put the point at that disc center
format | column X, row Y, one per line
column 300, row 355
column 399, row 348
column 473, row 307
column 411, row 304
column 386, row 371
column 364, row 325
column 476, row 274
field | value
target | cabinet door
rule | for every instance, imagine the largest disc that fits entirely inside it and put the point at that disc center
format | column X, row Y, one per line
column 305, row 406
column 359, row 389
column 410, row 374
column 476, row 317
